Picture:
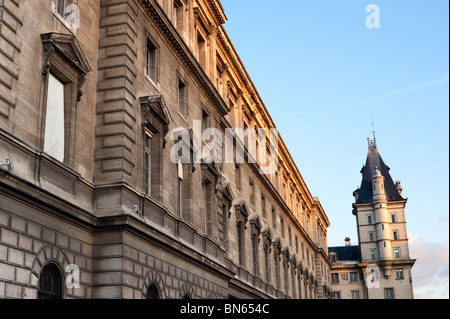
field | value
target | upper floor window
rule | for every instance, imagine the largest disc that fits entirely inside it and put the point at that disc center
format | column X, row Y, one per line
column 201, row 50
column 353, row 276
column 255, row 254
column 369, row 220
column 178, row 15
column 335, row 278
column 151, row 69
column 182, row 96
column 395, row 235
column 399, row 274
column 394, row 218
column 397, row 252
column 65, row 70
column 208, row 202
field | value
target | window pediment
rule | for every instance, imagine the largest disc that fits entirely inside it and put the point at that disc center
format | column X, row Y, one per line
column 156, row 106
column 68, row 47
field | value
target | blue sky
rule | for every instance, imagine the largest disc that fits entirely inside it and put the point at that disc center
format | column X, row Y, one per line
column 324, row 77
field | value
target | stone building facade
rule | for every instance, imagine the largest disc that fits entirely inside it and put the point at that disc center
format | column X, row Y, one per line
column 96, row 98
column 380, row 267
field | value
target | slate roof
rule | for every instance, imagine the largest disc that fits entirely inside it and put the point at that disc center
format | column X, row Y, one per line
column 365, row 191
column 346, row 253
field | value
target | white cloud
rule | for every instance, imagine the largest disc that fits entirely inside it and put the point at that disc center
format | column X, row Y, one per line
column 431, row 271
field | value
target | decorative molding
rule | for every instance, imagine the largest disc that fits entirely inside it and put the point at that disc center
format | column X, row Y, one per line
column 162, row 22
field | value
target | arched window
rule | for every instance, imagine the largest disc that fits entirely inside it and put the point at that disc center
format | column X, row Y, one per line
column 50, row 283
column 153, row 292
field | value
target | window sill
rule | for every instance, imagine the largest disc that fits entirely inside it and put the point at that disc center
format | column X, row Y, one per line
column 153, row 83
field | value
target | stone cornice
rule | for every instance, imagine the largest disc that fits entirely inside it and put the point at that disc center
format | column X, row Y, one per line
column 166, row 28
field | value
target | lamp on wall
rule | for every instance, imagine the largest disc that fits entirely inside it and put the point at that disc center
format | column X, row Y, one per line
column 9, row 164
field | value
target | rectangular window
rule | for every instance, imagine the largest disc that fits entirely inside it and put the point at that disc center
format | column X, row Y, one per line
column 252, row 193
column 274, row 218
column 267, row 262
column 178, row 15
column 335, row 278
column 152, row 60
column 180, row 188
column 238, row 177
column 369, row 220
column 182, row 108
column 399, row 274
column 263, row 206
column 61, row 7
column 277, row 272
column 355, row 294
column 389, row 293
column 282, row 227
column 290, row 236
column 394, row 218
column 353, row 276
column 240, row 231
column 209, row 209
column 255, row 255
column 336, row 295
column 371, row 237
column 373, row 254
column 397, row 253
column 286, row 278
column 148, row 163
column 205, row 121
column 54, row 121
column 201, row 47
column 395, row 235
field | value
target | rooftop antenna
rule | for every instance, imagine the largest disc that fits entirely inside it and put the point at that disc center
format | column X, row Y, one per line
column 374, row 132
column 374, row 142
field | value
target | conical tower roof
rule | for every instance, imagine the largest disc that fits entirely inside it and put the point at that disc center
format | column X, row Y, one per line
column 373, row 162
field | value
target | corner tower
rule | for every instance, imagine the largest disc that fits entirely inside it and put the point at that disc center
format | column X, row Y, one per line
column 380, row 215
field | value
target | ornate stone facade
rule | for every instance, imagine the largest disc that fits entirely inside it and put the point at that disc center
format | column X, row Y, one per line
column 112, row 202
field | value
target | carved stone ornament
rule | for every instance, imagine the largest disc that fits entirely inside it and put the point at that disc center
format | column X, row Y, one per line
column 68, row 48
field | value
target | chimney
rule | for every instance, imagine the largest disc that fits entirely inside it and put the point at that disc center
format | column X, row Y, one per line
column 399, row 187
column 348, row 242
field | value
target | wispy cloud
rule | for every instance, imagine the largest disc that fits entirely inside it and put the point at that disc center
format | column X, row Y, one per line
column 443, row 79
column 431, row 271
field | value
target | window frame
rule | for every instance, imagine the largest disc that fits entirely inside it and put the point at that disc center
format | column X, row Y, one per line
column 57, row 280
column 64, row 60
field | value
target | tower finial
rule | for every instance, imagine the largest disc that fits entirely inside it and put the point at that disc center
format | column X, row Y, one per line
column 374, row 132
column 373, row 143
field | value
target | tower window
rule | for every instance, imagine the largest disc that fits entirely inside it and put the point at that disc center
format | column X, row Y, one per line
column 395, row 235
column 399, row 274
column 394, row 218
